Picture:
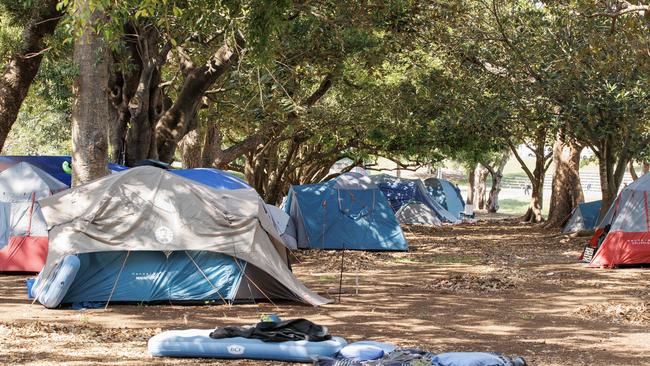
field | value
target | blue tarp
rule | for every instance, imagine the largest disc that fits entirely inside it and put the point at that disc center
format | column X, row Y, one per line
column 344, row 215
column 153, row 276
column 53, row 165
column 212, row 177
column 401, row 191
column 446, row 194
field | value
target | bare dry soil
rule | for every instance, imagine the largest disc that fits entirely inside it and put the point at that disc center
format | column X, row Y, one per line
column 497, row 285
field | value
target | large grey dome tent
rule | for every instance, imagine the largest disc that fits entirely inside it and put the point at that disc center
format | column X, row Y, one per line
column 623, row 235
column 148, row 235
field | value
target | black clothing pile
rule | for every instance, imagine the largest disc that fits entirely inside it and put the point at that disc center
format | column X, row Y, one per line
column 282, row 331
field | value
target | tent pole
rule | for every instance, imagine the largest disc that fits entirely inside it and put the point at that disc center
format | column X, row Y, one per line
column 341, row 275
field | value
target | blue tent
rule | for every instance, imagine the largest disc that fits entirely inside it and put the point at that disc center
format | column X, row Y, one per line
column 583, row 217
column 189, row 243
column 175, row 275
column 446, row 194
column 348, row 212
column 400, row 191
column 52, row 165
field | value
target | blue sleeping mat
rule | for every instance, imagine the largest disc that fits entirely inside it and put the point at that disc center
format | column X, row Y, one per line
column 57, row 284
column 197, row 343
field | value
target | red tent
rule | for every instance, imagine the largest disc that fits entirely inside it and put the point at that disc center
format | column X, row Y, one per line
column 23, row 231
column 624, row 233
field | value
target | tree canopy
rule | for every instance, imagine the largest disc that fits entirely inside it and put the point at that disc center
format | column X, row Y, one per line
column 280, row 90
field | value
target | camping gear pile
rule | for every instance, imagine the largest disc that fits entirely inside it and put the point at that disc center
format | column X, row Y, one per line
column 296, row 340
column 300, row 340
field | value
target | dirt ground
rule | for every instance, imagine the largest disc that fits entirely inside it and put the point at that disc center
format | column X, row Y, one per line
column 491, row 286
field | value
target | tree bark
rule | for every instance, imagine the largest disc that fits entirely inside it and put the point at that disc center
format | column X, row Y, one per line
column 471, row 185
column 23, row 65
column 496, row 173
column 481, row 178
column 91, row 109
column 191, row 149
column 566, row 191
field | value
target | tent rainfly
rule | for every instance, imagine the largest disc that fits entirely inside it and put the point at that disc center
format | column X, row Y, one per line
column 417, row 213
column 146, row 235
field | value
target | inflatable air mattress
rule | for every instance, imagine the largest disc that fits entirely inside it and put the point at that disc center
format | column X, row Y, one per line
column 197, row 343
column 57, row 285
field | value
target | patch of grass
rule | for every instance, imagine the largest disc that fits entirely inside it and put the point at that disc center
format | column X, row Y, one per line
column 513, row 206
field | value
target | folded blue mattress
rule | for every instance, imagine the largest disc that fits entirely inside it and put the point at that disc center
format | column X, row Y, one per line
column 197, row 343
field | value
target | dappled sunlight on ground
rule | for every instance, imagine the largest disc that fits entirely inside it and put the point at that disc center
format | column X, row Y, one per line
column 491, row 286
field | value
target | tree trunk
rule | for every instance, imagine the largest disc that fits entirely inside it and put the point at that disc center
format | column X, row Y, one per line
column 534, row 212
column 633, row 171
column 191, row 150
column 611, row 169
column 22, row 66
column 497, row 175
column 566, row 191
column 536, row 177
column 91, row 109
column 173, row 124
column 481, row 178
column 645, row 167
column 136, row 95
column 471, row 185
